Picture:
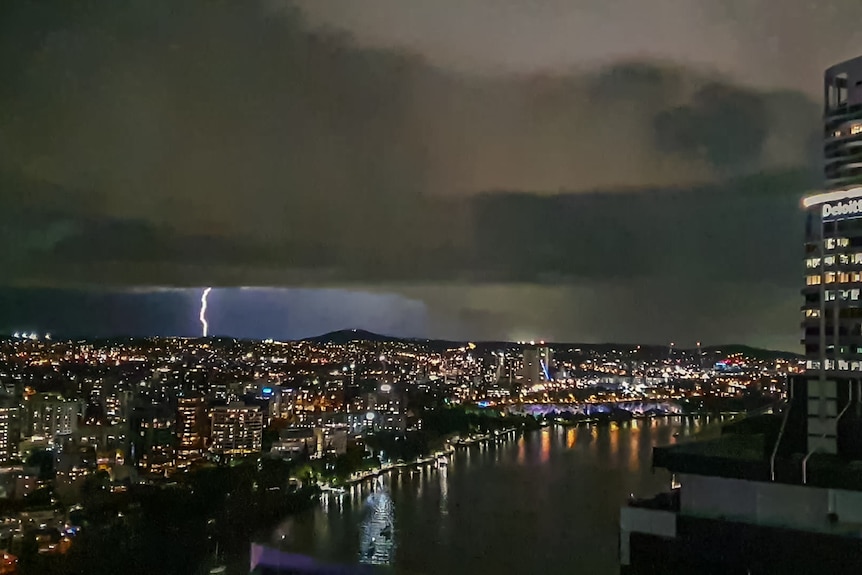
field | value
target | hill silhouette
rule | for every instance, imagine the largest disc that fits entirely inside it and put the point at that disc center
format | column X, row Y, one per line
column 346, row 336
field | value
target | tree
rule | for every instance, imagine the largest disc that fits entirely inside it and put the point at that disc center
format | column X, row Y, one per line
column 44, row 461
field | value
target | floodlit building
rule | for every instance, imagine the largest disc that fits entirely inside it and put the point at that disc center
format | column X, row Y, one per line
column 384, row 410
column 782, row 492
column 155, row 443
column 832, row 307
column 190, row 428
column 537, row 365
column 50, row 415
column 9, row 429
column 331, row 439
column 295, row 441
column 236, row 429
column 282, row 404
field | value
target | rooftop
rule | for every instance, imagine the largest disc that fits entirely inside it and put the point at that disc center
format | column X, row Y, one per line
column 744, row 451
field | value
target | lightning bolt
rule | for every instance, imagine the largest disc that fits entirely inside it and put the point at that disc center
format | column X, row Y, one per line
column 203, row 315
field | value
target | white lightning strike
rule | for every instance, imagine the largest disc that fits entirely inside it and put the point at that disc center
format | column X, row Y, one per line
column 203, row 314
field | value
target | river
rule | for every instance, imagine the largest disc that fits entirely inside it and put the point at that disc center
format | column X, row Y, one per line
column 547, row 502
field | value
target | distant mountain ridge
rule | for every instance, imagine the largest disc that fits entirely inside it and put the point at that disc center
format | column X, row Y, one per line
column 346, row 336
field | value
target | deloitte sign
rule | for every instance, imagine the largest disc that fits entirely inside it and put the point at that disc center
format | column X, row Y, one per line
column 841, row 210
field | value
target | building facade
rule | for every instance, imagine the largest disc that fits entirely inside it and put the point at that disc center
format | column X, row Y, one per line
column 155, row 449
column 9, row 430
column 282, row 404
column 537, row 364
column 236, row 429
column 832, row 305
column 190, row 428
column 50, row 415
column 386, row 409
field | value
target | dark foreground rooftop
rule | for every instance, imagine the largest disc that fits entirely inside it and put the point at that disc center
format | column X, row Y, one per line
column 269, row 561
column 744, row 451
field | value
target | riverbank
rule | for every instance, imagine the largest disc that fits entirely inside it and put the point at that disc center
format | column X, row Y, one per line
column 479, row 439
column 440, row 456
column 361, row 476
column 607, row 419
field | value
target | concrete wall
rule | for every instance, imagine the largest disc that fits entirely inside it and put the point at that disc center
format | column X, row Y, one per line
column 717, row 497
column 773, row 504
column 639, row 520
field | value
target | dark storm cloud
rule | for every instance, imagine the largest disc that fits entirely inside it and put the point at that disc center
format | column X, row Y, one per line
column 725, row 125
column 681, row 309
column 780, row 43
column 736, row 230
column 229, row 133
column 231, row 143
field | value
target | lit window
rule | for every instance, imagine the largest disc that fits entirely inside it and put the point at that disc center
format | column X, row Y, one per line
column 812, row 280
column 844, row 259
column 855, row 129
column 832, row 243
column 813, row 313
column 814, row 262
column 843, row 277
column 830, row 277
column 829, row 261
column 855, row 277
column 857, row 258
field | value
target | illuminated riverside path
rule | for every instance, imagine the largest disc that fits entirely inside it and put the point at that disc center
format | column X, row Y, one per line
column 544, row 503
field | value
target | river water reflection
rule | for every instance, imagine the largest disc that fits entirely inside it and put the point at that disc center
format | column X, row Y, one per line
column 547, row 502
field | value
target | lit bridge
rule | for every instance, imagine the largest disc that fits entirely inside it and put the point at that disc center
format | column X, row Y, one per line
column 593, row 409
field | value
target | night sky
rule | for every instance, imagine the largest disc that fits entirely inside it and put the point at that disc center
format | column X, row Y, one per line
column 476, row 169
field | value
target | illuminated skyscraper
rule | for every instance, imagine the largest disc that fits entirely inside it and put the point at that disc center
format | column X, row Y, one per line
column 537, row 365
column 190, row 428
column 237, row 429
column 9, row 429
column 832, row 308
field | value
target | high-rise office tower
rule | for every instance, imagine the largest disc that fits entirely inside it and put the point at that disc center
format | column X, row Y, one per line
column 782, row 492
column 832, row 309
column 537, row 365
